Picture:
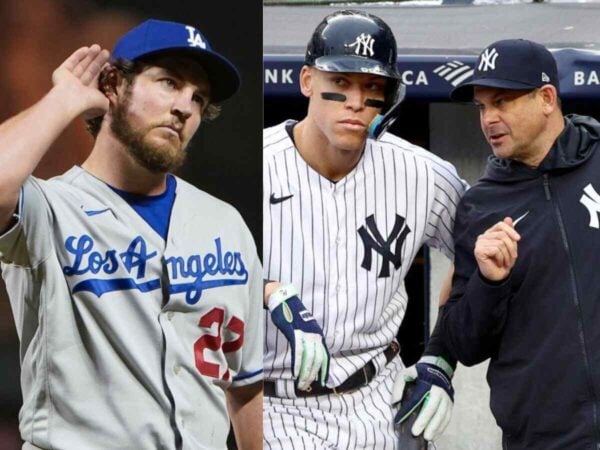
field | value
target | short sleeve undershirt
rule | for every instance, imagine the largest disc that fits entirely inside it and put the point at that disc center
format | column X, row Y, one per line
column 154, row 209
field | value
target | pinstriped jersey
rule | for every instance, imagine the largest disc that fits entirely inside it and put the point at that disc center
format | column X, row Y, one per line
column 128, row 341
column 347, row 245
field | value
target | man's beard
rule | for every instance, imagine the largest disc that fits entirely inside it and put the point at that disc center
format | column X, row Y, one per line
column 157, row 158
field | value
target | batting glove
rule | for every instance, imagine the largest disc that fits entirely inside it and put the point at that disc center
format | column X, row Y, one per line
column 432, row 392
column 310, row 358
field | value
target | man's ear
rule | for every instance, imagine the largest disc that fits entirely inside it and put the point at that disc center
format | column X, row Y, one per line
column 306, row 81
column 109, row 81
column 549, row 98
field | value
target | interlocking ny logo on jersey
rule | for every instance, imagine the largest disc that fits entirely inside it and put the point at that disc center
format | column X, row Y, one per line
column 198, row 272
column 364, row 45
column 195, row 40
column 488, row 60
column 591, row 200
column 374, row 241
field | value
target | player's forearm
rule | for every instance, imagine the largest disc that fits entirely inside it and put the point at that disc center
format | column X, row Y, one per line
column 446, row 288
column 245, row 405
column 436, row 347
column 25, row 139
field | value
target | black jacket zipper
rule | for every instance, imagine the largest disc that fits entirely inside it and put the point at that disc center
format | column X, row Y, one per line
column 563, row 234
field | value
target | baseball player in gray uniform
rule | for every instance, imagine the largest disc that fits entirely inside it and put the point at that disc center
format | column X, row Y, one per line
column 346, row 208
column 137, row 297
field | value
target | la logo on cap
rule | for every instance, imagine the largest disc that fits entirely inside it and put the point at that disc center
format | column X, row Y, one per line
column 545, row 78
column 488, row 60
column 195, row 40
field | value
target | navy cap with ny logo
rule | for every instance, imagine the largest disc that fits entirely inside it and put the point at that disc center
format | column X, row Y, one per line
column 516, row 64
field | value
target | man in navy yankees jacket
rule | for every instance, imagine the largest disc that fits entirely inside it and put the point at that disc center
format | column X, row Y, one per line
column 525, row 290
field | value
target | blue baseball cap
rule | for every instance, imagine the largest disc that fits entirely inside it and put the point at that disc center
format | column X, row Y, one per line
column 516, row 64
column 158, row 36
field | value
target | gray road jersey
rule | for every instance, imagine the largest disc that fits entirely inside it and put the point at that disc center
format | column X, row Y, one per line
column 128, row 341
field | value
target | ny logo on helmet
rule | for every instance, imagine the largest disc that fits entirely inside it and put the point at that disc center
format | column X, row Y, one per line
column 488, row 60
column 364, row 45
column 194, row 39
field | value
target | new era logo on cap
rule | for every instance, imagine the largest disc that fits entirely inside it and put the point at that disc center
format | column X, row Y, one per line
column 515, row 64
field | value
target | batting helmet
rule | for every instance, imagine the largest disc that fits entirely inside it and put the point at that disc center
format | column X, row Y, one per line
column 357, row 42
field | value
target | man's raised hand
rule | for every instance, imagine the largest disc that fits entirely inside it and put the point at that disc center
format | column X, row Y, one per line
column 77, row 77
column 496, row 250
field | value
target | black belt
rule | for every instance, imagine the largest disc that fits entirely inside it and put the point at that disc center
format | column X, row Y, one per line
column 358, row 379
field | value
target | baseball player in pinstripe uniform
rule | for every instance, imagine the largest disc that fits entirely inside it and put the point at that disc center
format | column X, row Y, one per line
column 347, row 207
column 137, row 297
